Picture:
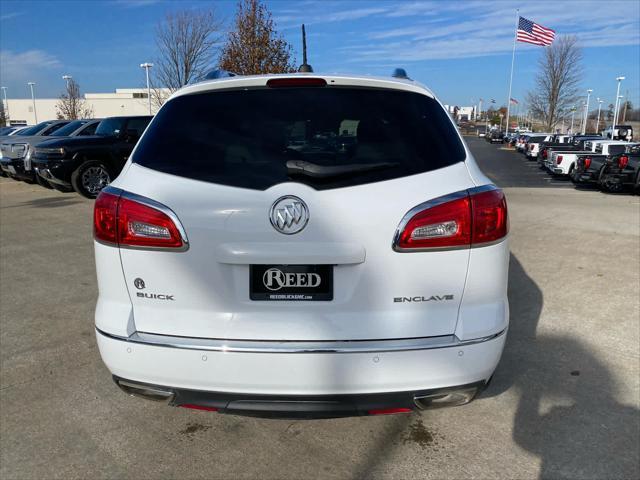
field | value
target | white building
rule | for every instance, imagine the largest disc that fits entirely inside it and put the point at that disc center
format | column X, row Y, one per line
column 124, row 101
column 464, row 113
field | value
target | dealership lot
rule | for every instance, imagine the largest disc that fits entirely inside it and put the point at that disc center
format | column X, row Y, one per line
column 564, row 401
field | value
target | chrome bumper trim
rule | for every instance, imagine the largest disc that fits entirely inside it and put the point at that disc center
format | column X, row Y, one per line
column 269, row 346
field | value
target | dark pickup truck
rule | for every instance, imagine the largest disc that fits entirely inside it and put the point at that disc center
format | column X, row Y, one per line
column 88, row 164
column 590, row 166
column 622, row 170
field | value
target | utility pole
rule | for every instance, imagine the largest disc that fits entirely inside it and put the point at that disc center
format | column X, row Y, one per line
column 624, row 112
column 573, row 112
column 147, row 66
column 586, row 111
column 33, row 99
column 6, row 103
column 615, row 112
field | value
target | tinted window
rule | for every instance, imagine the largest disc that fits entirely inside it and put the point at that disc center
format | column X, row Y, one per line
column 138, row 124
column 53, row 128
column 110, row 126
column 616, row 149
column 69, row 128
column 90, row 129
column 324, row 137
column 33, row 130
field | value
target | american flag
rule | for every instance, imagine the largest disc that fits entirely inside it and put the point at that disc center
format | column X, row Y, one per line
column 514, row 101
column 530, row 32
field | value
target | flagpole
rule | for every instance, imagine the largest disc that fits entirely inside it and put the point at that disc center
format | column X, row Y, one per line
column 513, row 58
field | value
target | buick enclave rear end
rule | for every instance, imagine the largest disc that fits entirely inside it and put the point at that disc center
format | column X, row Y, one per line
column 302, row 245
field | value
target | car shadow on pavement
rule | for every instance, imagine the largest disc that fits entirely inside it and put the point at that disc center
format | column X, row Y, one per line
column 567, row 412
column 49, row 202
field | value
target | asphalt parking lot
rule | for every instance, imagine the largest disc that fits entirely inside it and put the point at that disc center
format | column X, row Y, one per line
column 564, row 402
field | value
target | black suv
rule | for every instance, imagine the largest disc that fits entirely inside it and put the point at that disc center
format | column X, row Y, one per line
column 88, row 164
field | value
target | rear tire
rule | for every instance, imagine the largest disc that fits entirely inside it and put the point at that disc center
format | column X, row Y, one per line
column 607, row 186
column 90, row 178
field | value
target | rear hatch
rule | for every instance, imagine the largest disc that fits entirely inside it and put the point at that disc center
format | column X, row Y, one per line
column 342, row 165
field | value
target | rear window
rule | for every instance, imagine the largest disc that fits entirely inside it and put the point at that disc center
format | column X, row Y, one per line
column 328, row 137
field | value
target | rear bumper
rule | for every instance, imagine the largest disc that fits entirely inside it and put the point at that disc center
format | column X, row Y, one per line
column 586, row 177
column 618, row 178
column 304, row 406
column 218, row 374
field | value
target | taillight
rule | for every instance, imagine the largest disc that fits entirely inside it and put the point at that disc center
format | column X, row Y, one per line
column 127, row 220
column 105, row 211
column 544, row 153
column 559, row 159
column 623, row 161
column 490, row 221
column 587, row 162
column 471, row 219
column 531, row 146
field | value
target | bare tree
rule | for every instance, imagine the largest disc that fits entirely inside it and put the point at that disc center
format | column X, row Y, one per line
column 254, row 46
column 187, row 47
column 71, row 105
column 557, row 81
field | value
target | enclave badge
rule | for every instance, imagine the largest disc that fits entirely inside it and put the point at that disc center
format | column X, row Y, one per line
column 289, row 215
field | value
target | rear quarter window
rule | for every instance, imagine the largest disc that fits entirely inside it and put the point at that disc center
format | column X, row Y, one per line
column 327, row 137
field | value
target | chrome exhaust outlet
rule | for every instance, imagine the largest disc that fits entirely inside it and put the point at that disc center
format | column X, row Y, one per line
column 446, row 398
column 148, row 392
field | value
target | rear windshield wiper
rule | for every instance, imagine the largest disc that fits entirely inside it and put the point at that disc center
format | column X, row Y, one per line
column 302, row 167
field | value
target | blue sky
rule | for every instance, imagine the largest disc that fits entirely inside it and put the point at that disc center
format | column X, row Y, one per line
column 460, row 49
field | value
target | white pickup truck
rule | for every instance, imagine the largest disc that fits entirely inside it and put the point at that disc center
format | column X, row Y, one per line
column 563, row 162
column 533, row 146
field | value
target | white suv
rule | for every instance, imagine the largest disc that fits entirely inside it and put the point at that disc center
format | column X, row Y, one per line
column 302, row 245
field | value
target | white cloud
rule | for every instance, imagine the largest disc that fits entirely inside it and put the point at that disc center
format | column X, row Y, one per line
column 136, row 3
column 324, row 16
column 25, row 66
column 479, row 33
column 10, row 15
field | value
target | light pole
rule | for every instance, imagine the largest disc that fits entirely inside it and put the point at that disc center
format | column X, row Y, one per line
column 33, row 99
column 146, row 67
column 480, row 109
column 618, row 103
column 573, row 112
column 67, row 78
column 586, row 112
column 615, row 112
column 599, row 108
column 6, row 103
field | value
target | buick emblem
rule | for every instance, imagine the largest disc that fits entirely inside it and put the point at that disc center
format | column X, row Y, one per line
column 289, row 215
column 139, row 283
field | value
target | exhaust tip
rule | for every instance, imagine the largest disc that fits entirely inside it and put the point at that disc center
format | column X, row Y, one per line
column 449, row 398
column 148, row 392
